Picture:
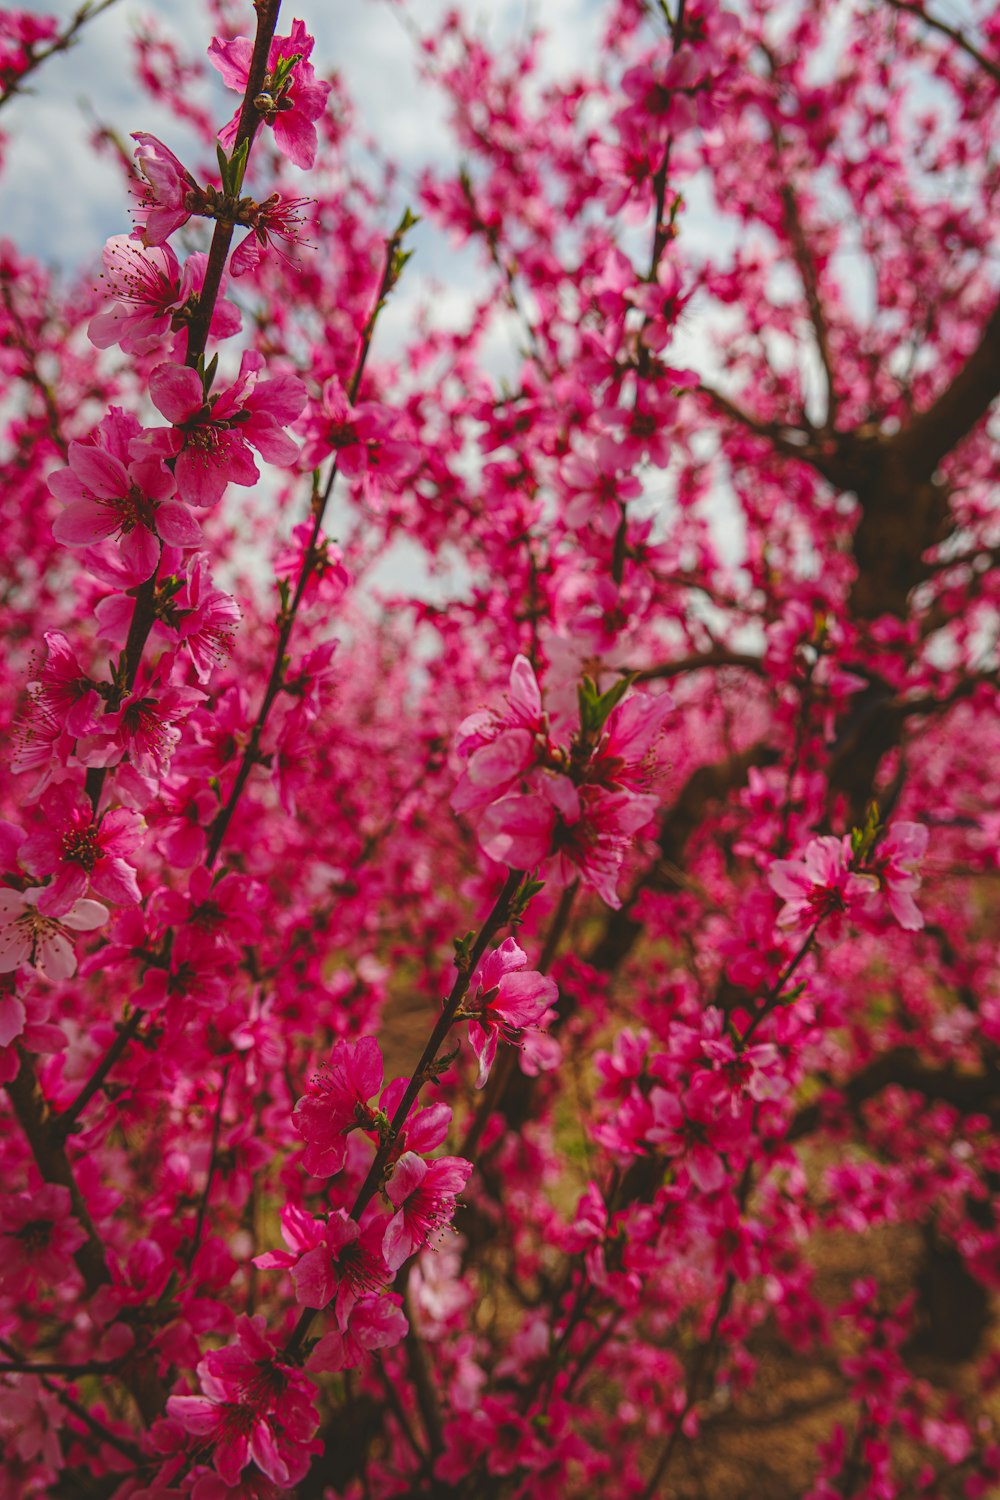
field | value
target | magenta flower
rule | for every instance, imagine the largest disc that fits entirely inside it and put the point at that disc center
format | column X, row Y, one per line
column 28, row 936
column 295, row 102
column 348, row 1264
column 377, row 1322
column 146, row 728
column 501, row 1001
column 107, row 494
column 820, row 890
column 589, row 830
column 337, row 1102
column 424, row 1194
column 165, row 192
column 210, row 439
column 255, row 1408
column 275, row 219
column 499, row 748
column 81, row 850
column 37, row 1237
column 151, row 293
column 63, row 691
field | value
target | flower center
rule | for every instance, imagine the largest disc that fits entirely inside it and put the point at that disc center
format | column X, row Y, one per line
column 81, row 847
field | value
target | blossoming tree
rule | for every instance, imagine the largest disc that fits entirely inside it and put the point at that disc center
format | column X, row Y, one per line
column 448, row 1037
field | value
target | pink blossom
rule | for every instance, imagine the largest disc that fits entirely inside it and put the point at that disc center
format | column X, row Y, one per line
column 376, row 1322
column 28, row 936
column 255, row 1408
column 894, row 865
column 38, row 1235
column 820, row 890
column 63, row 690
column 276, row 218
column 211, row 438
column 424, row 1194
column 152, row 293
column 295, row 103
column 82, row 850
column 108, row 494
column 346, row 1265
column 337, row 1102
column 501, row 1001
column 499, row 747
column 168, row 195
column 146, row 726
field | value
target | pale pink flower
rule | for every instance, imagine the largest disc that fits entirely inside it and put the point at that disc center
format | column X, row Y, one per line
column 28, row 936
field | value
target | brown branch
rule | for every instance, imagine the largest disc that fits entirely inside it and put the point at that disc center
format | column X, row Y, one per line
column 935, row 432
column 60, row 43
column 952, row 33
column 791, row 442
column 717, row 657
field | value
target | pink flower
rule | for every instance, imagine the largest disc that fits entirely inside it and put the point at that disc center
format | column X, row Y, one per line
column 338, row 1102
column 255, row 1408
column 109, row 494
column 346, row 1265
column 29, row 936
column 499, row 747
column 275, row 218
column 81, row 850
column 588, row 830
column 211, row 437
column 424, row 1195
column 37, row 1237
column 63, row 691
column 168, row 196
column 151, row 293
column 894, row 864
column 502, row 1001
column 820, row 890
column 376, row 1322
column 145, row 727
column 295, row 97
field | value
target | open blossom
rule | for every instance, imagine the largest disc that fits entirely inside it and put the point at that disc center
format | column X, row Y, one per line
column 894, row 865
column 166, row 195
column 276, row 218
column 500, row 746
column 211, row 439
column 820, row 890
column 337, row 1102
column 424, row 1194
column 377, row 1321
column 146, row 726
column 82, row 850
column 28, row 936
column 255, row 1408
column 294, row 104
column 151, row 293
column 37, row 1237
column 502, row 999
column 344, row 1266
column 63, row 690
column 109, row 494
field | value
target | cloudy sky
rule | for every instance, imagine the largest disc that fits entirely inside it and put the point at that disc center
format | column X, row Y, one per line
column 62, row 204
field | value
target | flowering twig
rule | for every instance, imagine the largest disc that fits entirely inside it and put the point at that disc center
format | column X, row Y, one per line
column 89, row 11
